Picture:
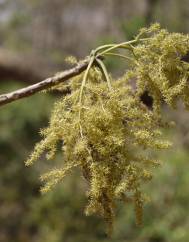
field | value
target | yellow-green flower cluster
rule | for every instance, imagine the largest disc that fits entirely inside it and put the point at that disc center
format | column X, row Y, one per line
column 106, row 131
column 103, row 142
column 160, row 68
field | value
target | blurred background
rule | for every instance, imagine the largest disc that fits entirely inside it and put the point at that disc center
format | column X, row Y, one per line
column 35, row 38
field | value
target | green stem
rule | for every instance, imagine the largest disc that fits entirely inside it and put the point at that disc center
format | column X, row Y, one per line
column 105, row 72
column 103, row 47
column 92, row 58
column 119, row 55
column 123, row 45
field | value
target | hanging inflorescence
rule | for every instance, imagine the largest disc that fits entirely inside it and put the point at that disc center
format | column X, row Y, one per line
column 106, row 129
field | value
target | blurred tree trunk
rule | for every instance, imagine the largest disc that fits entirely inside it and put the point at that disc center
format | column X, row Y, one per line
column 22, row 67
column 150, row 10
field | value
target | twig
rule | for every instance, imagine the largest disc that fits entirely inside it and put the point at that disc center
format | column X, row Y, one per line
column 49, row 82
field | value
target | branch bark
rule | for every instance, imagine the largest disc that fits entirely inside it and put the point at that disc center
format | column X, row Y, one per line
column 47, row 83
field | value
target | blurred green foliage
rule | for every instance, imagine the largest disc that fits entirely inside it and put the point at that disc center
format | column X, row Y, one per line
column 131, row 26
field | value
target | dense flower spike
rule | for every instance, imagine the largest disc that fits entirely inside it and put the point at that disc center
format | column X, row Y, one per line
column 160, row 68
column 106, row 130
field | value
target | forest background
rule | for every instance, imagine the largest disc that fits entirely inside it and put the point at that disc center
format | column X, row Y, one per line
column 35, row 38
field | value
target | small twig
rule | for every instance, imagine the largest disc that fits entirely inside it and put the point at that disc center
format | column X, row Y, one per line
column 47, row 83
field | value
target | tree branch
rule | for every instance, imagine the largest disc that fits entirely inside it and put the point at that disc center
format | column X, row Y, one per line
column 47, row 83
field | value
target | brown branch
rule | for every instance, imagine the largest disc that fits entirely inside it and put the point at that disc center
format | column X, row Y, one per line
column 47, row 83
